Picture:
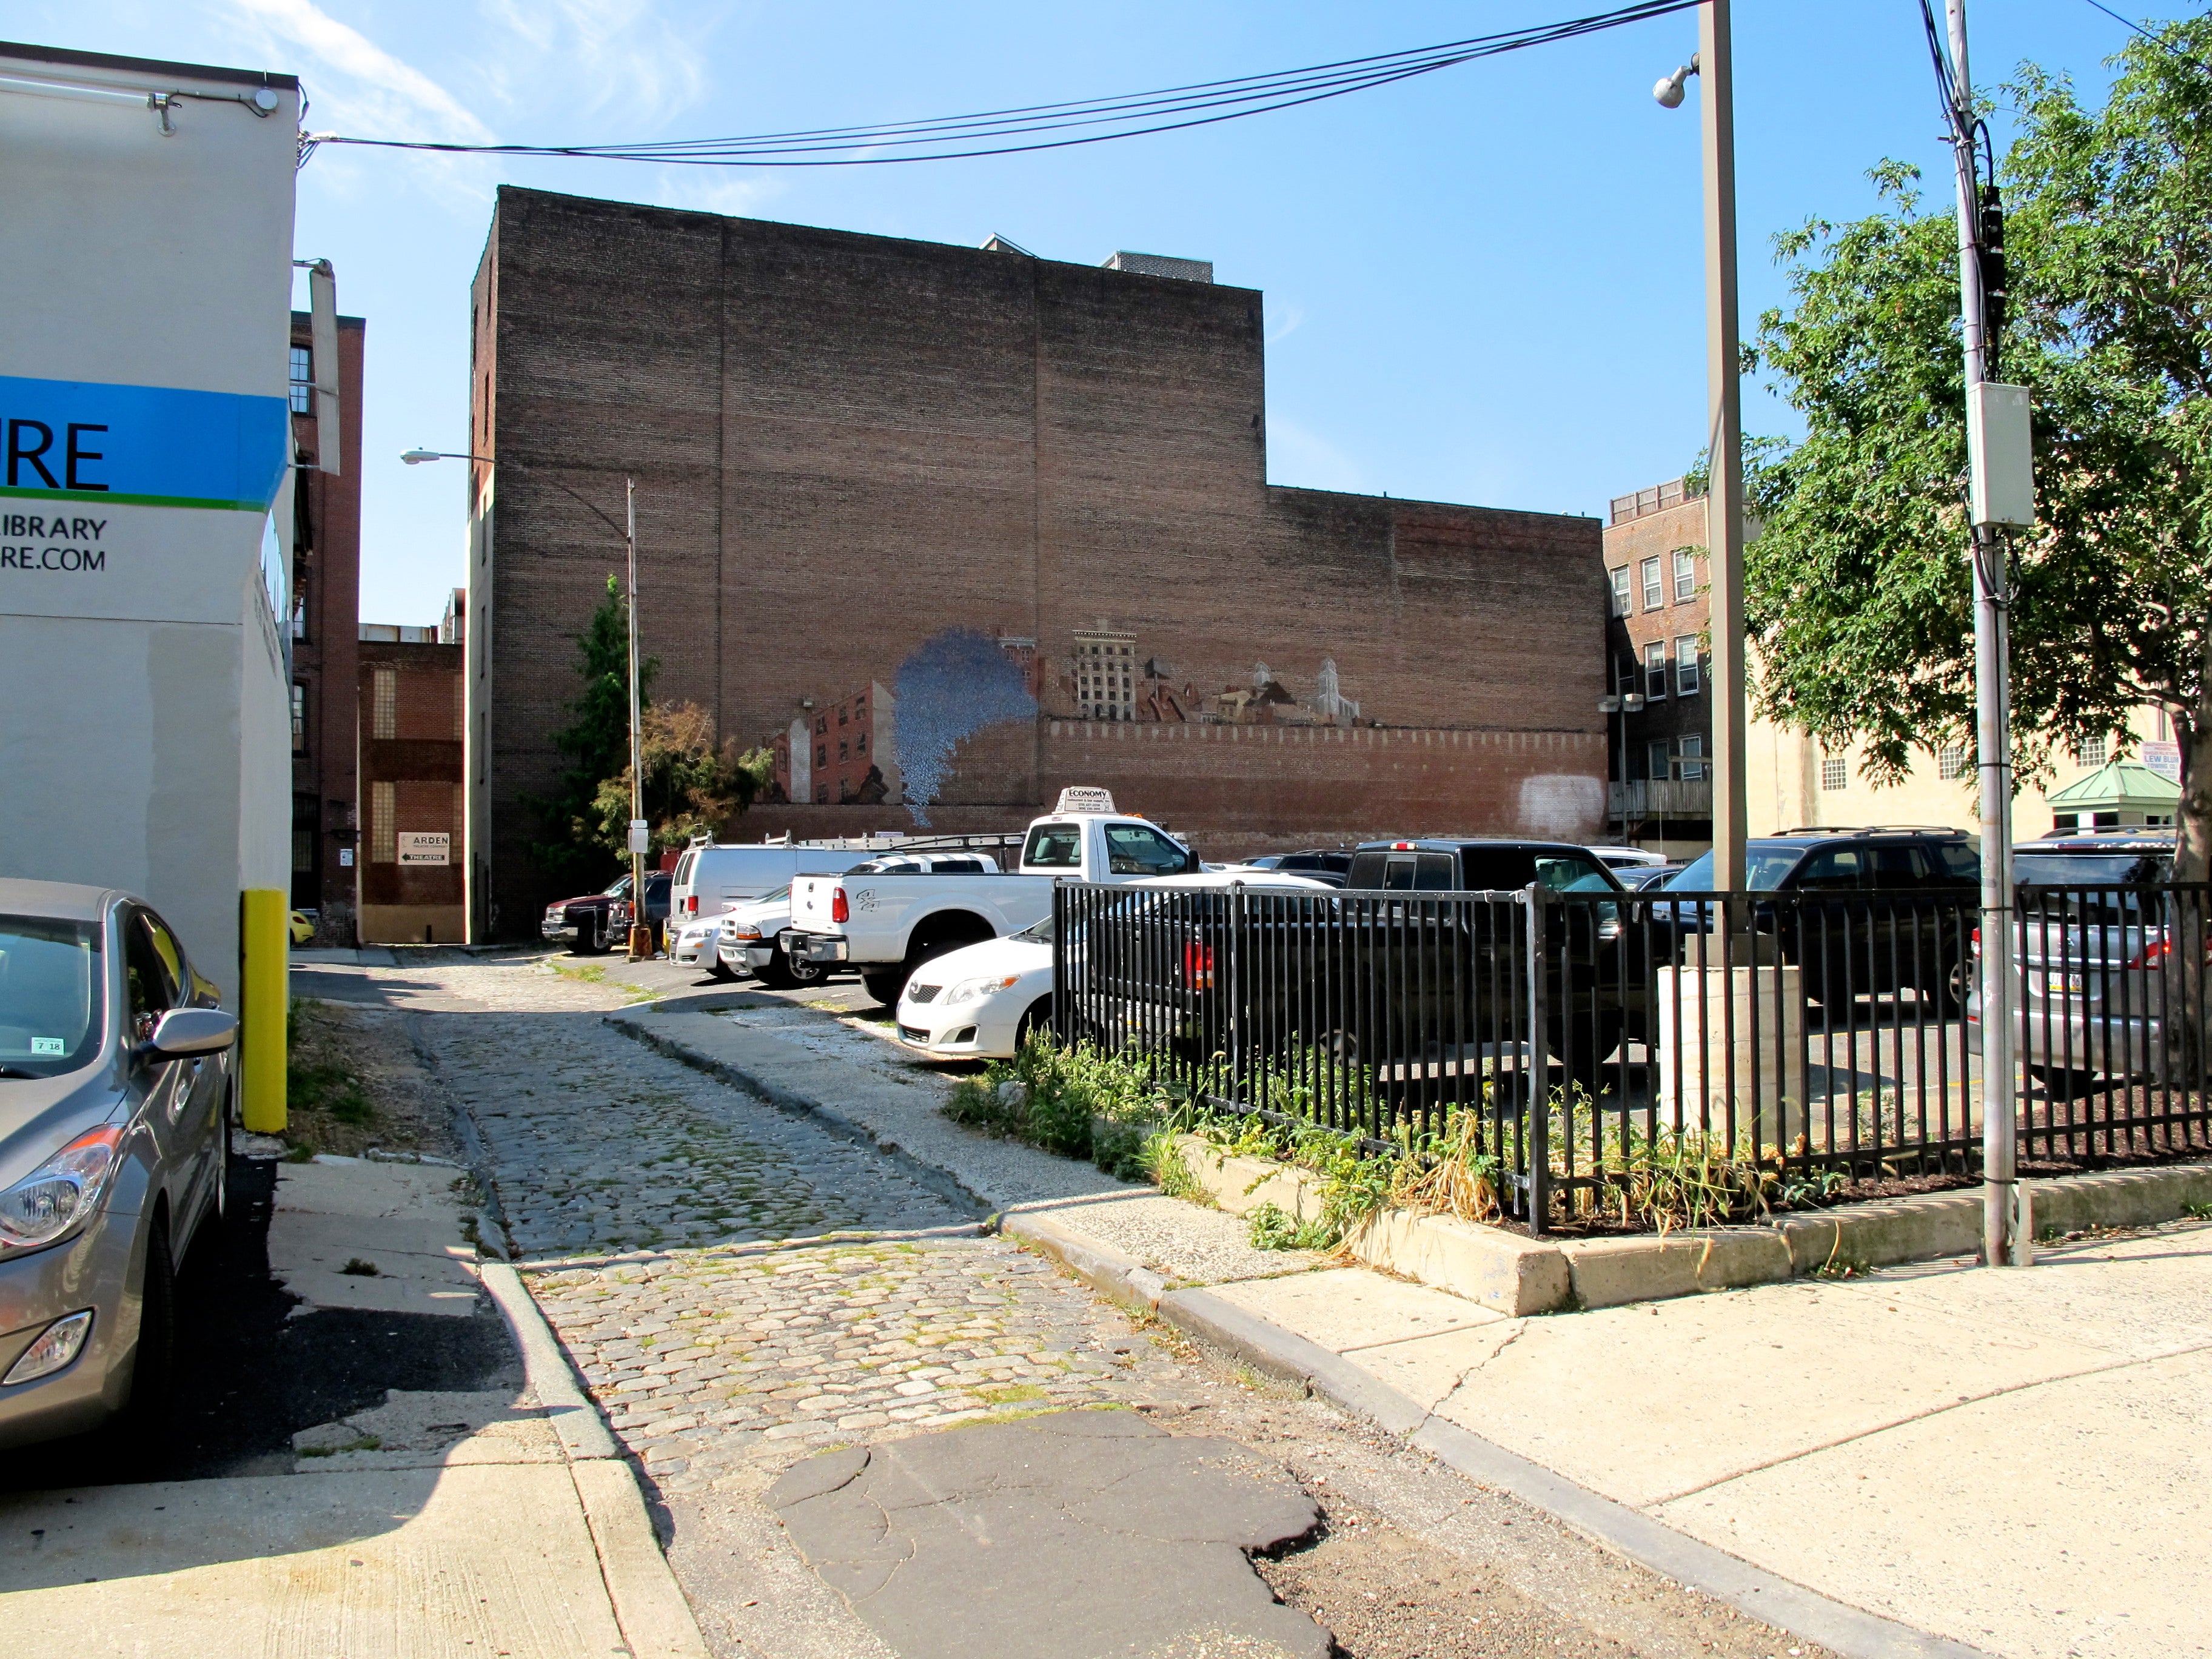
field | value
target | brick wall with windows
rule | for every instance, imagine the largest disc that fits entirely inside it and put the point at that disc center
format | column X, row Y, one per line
column 1658, row 646
column 324, row 626
column 863, row 461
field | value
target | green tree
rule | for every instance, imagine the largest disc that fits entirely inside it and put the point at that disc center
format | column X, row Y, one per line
column 693, row 786
column 596, row 746
column 1858, row 594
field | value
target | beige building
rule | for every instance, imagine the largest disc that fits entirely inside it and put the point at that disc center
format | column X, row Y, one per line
column 1660, row 796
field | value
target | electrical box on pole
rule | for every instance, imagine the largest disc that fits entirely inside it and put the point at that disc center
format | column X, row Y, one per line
column 2000, row 451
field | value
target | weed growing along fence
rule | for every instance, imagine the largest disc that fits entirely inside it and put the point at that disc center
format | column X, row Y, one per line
column 1647, row 1061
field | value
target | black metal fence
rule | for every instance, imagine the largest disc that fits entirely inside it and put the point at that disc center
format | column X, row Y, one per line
column 1811, row 1044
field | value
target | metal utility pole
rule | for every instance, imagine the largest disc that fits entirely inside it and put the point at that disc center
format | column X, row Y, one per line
column 1725, row 445
column 641, row 930
column 1997, row 433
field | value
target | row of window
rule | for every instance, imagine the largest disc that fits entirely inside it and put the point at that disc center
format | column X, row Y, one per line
column 1687, row 678
column 1680, row 757
column 1652, row 579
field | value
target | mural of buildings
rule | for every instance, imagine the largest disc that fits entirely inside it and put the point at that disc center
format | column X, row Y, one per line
column 929, row 472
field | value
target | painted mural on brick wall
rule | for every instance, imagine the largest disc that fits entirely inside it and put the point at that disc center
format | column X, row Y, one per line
column 893, row 743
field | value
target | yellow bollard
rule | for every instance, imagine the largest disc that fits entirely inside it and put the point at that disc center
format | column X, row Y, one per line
column 265, row 946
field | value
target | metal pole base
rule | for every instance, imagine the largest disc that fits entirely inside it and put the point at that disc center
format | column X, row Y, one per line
column 641, row 943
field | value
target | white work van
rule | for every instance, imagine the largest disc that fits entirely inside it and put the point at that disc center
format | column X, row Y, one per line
column 888, row 923
column 709, row 879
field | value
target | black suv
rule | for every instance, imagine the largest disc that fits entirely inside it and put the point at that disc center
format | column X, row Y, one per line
column 1859, row 911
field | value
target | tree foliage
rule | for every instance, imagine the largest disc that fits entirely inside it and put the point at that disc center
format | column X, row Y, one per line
column 1858, row 591
column 595, row 744
column 693, row 785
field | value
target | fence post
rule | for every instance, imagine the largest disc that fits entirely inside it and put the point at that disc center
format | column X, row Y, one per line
column 1538, row 1139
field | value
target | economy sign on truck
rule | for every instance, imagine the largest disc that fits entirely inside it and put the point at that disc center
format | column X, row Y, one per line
column 145, row 501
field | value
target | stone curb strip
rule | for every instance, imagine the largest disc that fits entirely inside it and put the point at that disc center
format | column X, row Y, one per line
column 938, row 1179
column 655, row 1620
column 1518, row 1276
column 1269, row 1348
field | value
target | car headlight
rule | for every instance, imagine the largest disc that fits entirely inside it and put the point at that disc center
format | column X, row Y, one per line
column 57, row 1197
column 975, row 990
column 749, row 935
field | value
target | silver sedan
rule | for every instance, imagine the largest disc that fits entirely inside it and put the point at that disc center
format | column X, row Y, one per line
column 116, row 1092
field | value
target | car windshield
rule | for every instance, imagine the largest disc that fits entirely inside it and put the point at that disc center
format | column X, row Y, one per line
column 782, row 894
column 50, row 1000
column 1765, row 866
column 1037, row 933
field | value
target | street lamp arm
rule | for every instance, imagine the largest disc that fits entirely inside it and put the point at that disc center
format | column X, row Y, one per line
column 416, row 457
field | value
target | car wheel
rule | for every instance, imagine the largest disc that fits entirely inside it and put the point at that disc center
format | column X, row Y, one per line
column 886, row 986
column 153, row 1365
column 722, row 971
column 1037, row 1018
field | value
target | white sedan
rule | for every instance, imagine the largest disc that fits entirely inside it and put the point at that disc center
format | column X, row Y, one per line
column 980, row 1002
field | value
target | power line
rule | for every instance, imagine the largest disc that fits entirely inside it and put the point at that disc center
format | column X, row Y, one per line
column 1088, row 121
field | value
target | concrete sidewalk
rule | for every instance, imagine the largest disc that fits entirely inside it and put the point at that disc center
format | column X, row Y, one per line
column 501, row 1523
column 2014, row 1462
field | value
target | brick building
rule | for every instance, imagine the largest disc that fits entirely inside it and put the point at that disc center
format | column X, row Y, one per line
column 413, row 819
column 1660, row 790
column 325, row 610
column 1019, row 509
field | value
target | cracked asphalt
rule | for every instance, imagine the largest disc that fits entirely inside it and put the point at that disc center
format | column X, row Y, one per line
column 742, row 1289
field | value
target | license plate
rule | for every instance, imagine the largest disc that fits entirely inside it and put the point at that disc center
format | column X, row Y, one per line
column 2059, row 985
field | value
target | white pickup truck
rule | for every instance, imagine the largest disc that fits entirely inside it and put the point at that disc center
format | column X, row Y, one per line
column 889, row 925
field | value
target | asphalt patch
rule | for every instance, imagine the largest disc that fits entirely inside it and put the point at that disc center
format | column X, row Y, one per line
column 1080, row 1533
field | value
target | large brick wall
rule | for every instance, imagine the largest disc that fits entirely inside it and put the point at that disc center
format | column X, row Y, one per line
column 867, row 463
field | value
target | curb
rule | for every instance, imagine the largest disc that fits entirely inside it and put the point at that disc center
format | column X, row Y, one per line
column 655, row 1620
column 1116, row 1277
column 939, row 1180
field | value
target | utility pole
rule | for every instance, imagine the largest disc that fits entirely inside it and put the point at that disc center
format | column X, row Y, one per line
column 1724, row 447
column 641, row 930
column 2002, row 494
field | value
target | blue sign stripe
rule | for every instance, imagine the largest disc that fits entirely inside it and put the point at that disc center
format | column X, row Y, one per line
column 89, row 440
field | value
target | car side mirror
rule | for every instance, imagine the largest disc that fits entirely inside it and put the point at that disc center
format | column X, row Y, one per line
column 182, row 1033
column 1192, row 864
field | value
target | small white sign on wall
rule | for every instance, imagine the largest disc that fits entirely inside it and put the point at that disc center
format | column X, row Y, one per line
column 425, row 847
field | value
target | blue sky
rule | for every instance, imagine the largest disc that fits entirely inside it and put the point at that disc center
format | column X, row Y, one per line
column 1484, row 285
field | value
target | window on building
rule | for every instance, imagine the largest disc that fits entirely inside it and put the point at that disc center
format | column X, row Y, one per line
column 1658, row 761
column 303, row 380
column 822, row 754
column 1685, row 575
column 1951, row 762
column 2093, row 751
column 1692, row 750
column 299, row 718
column 1835, row 772
column 1618, row 576
column 383, row 703
column 1654, row 593
column 1686, row 666
column 1654, row 669
column 299, row 604
column 384, row 822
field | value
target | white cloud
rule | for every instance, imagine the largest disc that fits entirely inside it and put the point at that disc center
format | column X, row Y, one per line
column 373, row 93
column 1287, row 320
column 618, row 55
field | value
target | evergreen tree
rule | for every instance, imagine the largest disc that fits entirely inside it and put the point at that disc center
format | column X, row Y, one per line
column 595, row 745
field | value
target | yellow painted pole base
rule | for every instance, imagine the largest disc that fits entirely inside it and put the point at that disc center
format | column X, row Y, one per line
column 265, row 946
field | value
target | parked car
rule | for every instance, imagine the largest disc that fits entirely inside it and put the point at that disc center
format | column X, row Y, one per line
column 596, row 921
column 1333, row 868
column 116, row 1091
column 980, row 1001
column 302, row 926
column 887, row 923
column 2093, row 953
column 1648, row 878
column 1622, row 859
column 1859, row 912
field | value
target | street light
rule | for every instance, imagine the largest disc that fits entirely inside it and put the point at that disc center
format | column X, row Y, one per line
column 640, row 932
column 1723, row 432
